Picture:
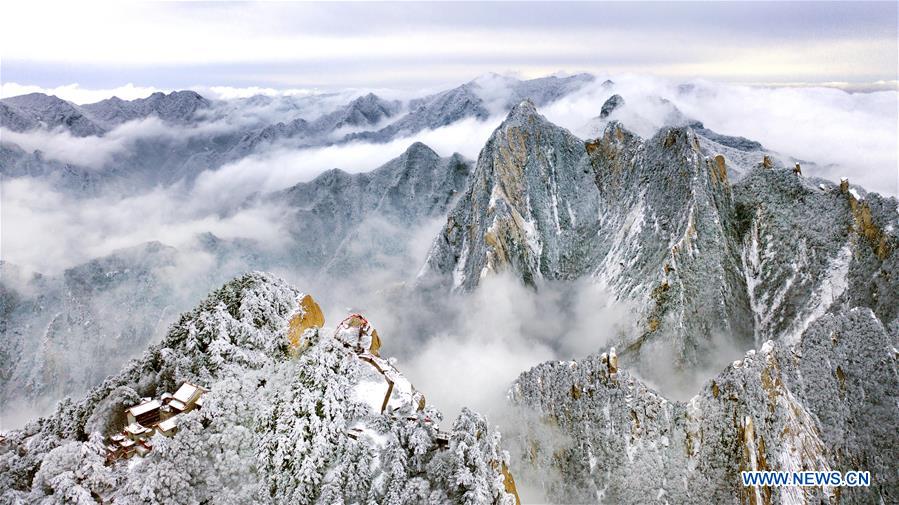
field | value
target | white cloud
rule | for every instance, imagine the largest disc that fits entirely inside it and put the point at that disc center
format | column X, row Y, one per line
column 232, row 92
column 46, row 231
column 465, row 351
column 98, row 151
column 64, row 147
column 852, row 134
column 282, row 167
column 471, row 352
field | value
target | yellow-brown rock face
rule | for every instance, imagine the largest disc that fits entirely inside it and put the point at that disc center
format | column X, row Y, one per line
column 309, row 316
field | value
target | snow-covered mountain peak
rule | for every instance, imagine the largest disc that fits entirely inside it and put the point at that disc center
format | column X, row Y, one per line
column 419, row 149
column 609, row 106
column 522, row 208
column 524, row 110
column 330, row 422
column 38, row 110
column 177, row 106
column 36, row 101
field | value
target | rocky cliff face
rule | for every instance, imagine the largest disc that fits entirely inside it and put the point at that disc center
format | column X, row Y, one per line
column 717, row 246
column 710, row 263
column 825, row 402
column 611, row 105
column 808, row 246
column 801, row 269
column 274, row 426
column 649, row 219
column 531, row 208
column 668, row 238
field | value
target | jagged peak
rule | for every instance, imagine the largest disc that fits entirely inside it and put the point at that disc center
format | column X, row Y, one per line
column 613, row 103
column 370, row 99
column 178, row 95
column 418, row 149
column 524, row 119
column 458, row 157
column 331, row 175
column 366, row 98
column 673, row 136
column 186, row 93
column 525, row 107
column 614, row 133
column 523, row 114
column 615, row 129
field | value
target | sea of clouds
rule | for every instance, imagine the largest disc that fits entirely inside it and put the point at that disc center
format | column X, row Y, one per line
column 467, row 352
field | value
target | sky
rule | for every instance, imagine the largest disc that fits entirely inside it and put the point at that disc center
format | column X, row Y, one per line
column 416, row 45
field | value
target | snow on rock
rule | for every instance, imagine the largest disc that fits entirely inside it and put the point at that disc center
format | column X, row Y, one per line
column 823, row 403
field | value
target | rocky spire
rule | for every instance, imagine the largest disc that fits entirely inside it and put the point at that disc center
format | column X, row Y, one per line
column 611, row 105
column 530, row 202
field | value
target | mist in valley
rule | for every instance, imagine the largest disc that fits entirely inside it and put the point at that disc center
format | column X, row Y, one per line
column 459, row 349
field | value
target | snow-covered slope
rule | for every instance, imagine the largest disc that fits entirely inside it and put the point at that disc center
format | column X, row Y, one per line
column 37, row 110
column 275, row 427
column 476, row 99
column 713, row 241
column 808, row 246
column 531, row 207
column 177, row 106
column 825, row 402
column 649, row 219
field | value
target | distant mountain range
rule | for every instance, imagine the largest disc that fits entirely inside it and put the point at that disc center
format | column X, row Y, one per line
column 216, row 133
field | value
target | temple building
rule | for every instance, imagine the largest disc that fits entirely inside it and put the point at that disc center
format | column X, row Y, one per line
column 152, row 416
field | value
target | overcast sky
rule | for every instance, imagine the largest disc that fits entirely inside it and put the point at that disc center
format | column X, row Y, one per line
column 405, row 45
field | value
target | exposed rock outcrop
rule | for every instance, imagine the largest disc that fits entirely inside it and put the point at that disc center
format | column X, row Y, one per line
column 529, row 208
column 609, row 106
column 808, row 248
column 826, row 402
column 308, row 316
